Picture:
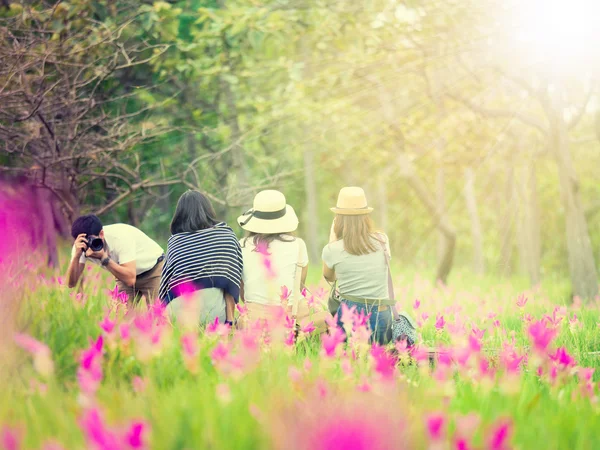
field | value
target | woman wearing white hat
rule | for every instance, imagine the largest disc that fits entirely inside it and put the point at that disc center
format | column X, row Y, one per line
column 357, row 258
column 275, row 261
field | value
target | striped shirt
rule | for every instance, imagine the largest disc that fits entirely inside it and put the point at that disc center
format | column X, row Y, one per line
column 210, row 258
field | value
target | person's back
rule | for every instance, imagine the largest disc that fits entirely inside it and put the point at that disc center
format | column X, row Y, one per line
column 128, row 243
column 356, row 259
column 271, row 267
column 363, row 276
column 202, row 274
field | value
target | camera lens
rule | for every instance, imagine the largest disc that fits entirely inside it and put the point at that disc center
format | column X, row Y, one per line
column 96, row 244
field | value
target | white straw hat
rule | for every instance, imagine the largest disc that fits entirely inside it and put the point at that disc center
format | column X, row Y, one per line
column 270, row 214
column 352, row 201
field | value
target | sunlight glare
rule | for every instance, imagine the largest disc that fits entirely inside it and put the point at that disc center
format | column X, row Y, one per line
column 562, row 35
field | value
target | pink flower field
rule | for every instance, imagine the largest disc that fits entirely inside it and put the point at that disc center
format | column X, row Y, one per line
column 494, row 369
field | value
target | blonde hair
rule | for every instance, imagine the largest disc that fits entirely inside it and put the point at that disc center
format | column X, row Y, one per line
column 356, row 231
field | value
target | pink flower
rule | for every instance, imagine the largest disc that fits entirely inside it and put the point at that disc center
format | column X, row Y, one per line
column 440, row 322
column 285, row 293
column 474, row 343
column 134, row 435
column 521, row 301
column 510, row 360
column 331, row 341
column 243, row 310
column 114, row 293
column 500, row 435
column 89, row 373
column 220, row 329
column 97, row 434
column 416, row 304
column 308, row 328
column 100, row 436
column 574, row 322
column 385, row 365
column 124, row 331
column 11, row 439
column 557, row 316
column 219, row 353
column 477, row 333
column 139, row 384
column 541, row 336
column 42, row 355
column 189, row 344
column 107, row 325
column 585, row 374
column 563, row 358
column 436, row 425
column 424, row 316
column 294, row 374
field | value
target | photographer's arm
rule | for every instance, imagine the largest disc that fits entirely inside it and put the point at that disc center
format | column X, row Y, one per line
column 75, row 267
column 74, row 271
column 124, row 272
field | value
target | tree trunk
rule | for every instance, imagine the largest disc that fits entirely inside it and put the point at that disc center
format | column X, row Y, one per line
column 439, row 217
column 508, row 212
column 239, row 175
column 408, row 171
column 45, row 237
column 582, row 267
column 440, row 187
column 528, row 225
column 476, row 233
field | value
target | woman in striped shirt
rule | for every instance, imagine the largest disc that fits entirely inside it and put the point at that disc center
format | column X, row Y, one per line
column 203, row 268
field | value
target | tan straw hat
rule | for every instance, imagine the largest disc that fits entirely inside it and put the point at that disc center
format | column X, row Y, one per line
column 270, row 214
column 352, row 201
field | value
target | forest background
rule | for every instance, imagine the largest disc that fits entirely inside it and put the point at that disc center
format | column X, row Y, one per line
column 473, row 125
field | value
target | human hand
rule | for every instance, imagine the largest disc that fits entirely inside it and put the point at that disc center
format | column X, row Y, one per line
column 101, row 254
column 80, row 245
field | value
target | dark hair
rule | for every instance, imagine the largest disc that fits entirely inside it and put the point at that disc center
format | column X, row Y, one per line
column 259, row 239
column 88, row 224
column 194, row 212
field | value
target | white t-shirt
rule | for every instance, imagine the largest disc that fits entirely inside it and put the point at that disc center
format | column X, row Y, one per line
column 125, row 244
column 265, row 274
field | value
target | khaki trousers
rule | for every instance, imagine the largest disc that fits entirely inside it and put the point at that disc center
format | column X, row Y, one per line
column 146, row 285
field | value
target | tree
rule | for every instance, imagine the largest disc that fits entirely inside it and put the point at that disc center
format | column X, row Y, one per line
column 64, row 120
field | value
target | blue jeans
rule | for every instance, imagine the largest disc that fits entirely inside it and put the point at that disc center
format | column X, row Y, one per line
column 380, row 322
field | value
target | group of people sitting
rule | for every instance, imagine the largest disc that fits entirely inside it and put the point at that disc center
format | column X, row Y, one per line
column 207, row 266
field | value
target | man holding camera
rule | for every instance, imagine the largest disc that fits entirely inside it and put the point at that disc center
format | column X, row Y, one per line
column 133, row 258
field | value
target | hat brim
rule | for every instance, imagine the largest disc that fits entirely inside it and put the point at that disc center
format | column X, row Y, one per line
column 352, row 211
column 286, row 224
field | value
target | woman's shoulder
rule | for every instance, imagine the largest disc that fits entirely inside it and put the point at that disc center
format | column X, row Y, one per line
column 335, row 245
column 380, row 236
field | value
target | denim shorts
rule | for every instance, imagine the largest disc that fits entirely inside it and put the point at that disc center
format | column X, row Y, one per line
column 380, row 322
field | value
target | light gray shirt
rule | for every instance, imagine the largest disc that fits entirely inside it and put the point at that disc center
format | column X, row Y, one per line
column 362, row 276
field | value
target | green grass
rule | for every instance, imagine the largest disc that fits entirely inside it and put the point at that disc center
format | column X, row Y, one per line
column 265, row 406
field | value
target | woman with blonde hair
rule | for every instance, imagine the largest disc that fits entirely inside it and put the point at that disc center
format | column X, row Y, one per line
column 357, row 257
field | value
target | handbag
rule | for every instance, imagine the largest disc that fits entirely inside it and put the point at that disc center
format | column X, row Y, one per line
column 403, row 326
column 334, row 300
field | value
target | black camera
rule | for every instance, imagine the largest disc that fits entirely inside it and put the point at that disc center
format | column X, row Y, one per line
column 95, row 243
